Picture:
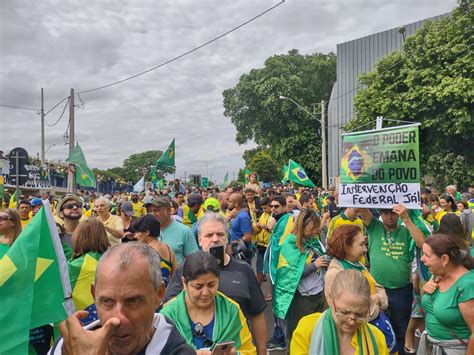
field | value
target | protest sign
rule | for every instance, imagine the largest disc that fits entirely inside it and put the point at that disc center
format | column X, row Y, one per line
column 381, row 168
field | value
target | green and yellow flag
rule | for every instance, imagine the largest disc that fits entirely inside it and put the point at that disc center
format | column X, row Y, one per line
column 297, row 174
column 247, row 173
column 13, row 200
column 167, row 157
column 84, row 176
column 229, row 322
column 33, row 283
column 153, row 177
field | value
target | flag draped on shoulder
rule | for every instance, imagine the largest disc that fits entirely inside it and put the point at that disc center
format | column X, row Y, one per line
column 84, row 176
column 282, row 228
column 297, row 174
column 82, row 273
column 167, row 158
column 34, row 283
column 230, row 323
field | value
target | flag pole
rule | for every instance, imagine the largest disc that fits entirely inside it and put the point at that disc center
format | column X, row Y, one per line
column 63, row 268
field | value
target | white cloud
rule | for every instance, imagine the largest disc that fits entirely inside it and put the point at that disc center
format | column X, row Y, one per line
column 60, row 45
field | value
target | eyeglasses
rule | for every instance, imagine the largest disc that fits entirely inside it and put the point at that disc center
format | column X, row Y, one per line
column 275, row 206
column 198, row 331
column 345, row 317
column 70, row 206
column 5, row 218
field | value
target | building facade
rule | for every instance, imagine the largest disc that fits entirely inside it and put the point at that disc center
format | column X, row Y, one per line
column 354, row 58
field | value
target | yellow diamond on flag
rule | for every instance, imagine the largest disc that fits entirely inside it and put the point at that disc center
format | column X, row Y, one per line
column 41, row 266
column 171, row 153
column 7, row 269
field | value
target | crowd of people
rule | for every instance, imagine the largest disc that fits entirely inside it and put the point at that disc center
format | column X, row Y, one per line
column 181, row 271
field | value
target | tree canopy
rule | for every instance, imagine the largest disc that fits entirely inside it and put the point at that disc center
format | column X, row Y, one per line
column 429, row 81
column 280, row 128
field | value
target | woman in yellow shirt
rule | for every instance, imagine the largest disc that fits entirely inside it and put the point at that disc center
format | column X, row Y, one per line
column 343, row 328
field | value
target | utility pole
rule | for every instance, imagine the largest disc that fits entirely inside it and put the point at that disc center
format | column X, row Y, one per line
column 71, row 180
column 42, row 130
column 324, row 146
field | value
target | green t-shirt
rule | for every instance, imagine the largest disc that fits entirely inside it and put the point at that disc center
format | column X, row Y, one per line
column 391, row 254
column 180, row 239
column 442, row 311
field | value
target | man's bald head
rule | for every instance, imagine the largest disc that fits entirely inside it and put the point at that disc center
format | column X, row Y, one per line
column 236, row 199
column 126, row 255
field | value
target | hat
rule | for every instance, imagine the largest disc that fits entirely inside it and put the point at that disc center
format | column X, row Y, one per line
column 127, row 208
column 61, row 202
column 211, row 204
column 195, row 199
column 36, row 202
column 158, row 201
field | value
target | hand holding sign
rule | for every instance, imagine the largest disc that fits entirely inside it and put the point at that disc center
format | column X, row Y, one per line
column 401, row 211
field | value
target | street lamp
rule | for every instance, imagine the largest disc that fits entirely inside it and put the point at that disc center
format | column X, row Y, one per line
column 51, row 146
column 322, row 121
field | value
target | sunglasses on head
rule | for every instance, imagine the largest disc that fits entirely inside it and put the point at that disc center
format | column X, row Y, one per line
column 72, row 205
column 5, row 218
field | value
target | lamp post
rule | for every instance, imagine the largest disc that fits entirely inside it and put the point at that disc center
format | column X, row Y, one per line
column 322, row 121
column 51, row 146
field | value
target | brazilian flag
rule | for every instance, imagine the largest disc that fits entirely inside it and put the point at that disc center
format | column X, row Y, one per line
column 84, row 175
column 33, row 286
column 2, row 185
column 167, row 157
column 247, row 173
column 229, row 322
column 81, row 274
column 297, row 174
column 13, row 200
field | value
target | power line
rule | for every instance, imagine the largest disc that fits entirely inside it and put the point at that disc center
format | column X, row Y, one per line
column 59, row 103
column 61, row 116
column 185, row 53
column 21, row 108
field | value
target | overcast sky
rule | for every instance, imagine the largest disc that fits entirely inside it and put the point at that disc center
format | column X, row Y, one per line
column 59, row 45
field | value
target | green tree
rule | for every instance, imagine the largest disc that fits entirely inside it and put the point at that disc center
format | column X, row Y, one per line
column 430, row 81
column 261, row 162
column 254, row 107
column 134, row 163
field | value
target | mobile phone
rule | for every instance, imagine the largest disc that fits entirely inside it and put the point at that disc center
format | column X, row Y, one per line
column 221, row 348
column 218, row 253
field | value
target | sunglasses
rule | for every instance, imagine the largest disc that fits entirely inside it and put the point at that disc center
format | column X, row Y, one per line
column 70, row 206
column 275, row 206
column 5, row 218
column 198, row 331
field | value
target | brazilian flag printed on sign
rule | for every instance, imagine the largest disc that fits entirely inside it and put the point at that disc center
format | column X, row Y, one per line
column 297, row 174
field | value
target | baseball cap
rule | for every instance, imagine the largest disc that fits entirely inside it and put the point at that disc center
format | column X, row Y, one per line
column 157, row 201
column 127, row 208
column 36, row 202
column 61, row 202
column 195, row 199
column 211, row 204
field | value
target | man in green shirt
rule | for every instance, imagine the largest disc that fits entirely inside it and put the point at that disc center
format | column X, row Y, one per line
column 391, row 252
column 179, row 237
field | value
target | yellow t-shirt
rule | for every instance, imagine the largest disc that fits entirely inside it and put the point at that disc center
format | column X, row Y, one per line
column 263, row 237
column 24, row 222
column 114, row 222
column 303, row 333
column 138, row 209
column 343, row 219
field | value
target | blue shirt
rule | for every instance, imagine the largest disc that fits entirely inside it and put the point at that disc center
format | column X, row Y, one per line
column 240, row 225
column 199, row 341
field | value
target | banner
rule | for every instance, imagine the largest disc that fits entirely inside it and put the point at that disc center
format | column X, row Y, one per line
column 380, row 169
